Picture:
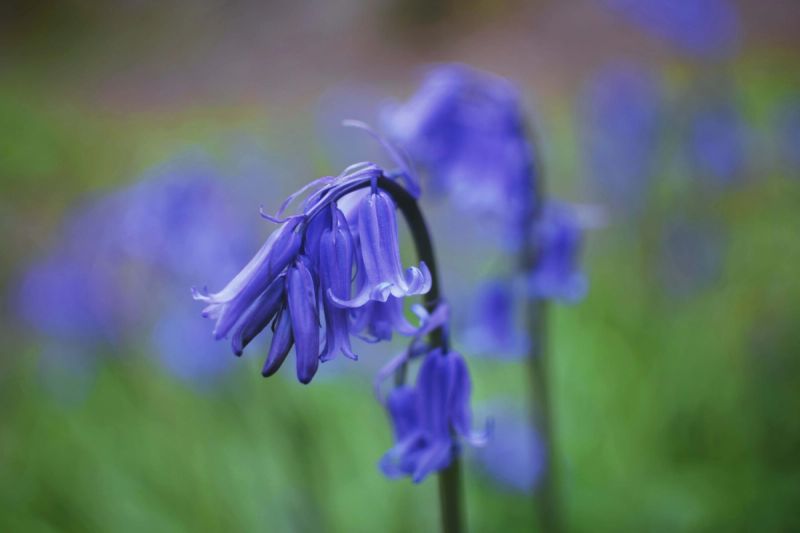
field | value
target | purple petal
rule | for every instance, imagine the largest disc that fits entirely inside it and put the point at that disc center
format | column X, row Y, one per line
column 282, row 341
column 258, row 316
column 228, row 305
column 305, row 319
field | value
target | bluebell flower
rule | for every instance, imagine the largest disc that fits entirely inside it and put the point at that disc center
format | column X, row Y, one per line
column 718, row 144
column 229, row 305
column 425, row 416
column 466, row 129
column 704, row 28
column 336, row 266
column 559, row 237
column 301, row 297
column 620, row 124
column 515, row 456
column 383, row 274
column 302, row 282
column 259, row 315
column 282, row 342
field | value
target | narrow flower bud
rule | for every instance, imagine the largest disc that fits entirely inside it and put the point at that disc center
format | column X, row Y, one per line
column 302, row 299
column 258, row 316
column 228, row 305
column 336, row 265
column 282, row 342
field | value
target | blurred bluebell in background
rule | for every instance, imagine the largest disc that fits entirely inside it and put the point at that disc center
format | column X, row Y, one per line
column 514, row 457
column 717, row 139
column 122, row 264
column 621, row 125
column 708, row 29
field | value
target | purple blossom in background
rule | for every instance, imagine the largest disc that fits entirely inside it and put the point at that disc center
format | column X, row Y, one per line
column 119, row 257
column 494, row 328
column 514, row 456
column 620, row 126
column 425, row 415
column 718, row 144
column 183, row 219
column 466, row 129
column 66, row 295
column 703, row 28
column 185, row 348
column 301, row 280
column 559, row 237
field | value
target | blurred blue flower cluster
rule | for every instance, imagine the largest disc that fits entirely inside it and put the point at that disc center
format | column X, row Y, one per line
column 466, row 128
column 122, row 262
column 305, row 271
column 621, row 124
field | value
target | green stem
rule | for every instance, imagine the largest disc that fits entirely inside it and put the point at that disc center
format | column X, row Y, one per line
column 546, row 495
column 450, row 497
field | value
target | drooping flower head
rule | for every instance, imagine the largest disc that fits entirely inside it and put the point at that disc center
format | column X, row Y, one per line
column 425, row 416
column 466, row 129
column 301, row 281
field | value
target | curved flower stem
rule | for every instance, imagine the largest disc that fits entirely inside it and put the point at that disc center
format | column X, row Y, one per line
column 546, row 494
column 546, row 497
column 449, row 478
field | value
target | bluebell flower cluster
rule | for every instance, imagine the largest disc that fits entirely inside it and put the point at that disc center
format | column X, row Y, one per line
column 425, row 415
column 431, row 418
column 331, row 271
column 466, row 129
column 302, row 279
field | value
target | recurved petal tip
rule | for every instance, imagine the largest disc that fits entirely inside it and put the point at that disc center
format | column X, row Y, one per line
column 200, row 294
